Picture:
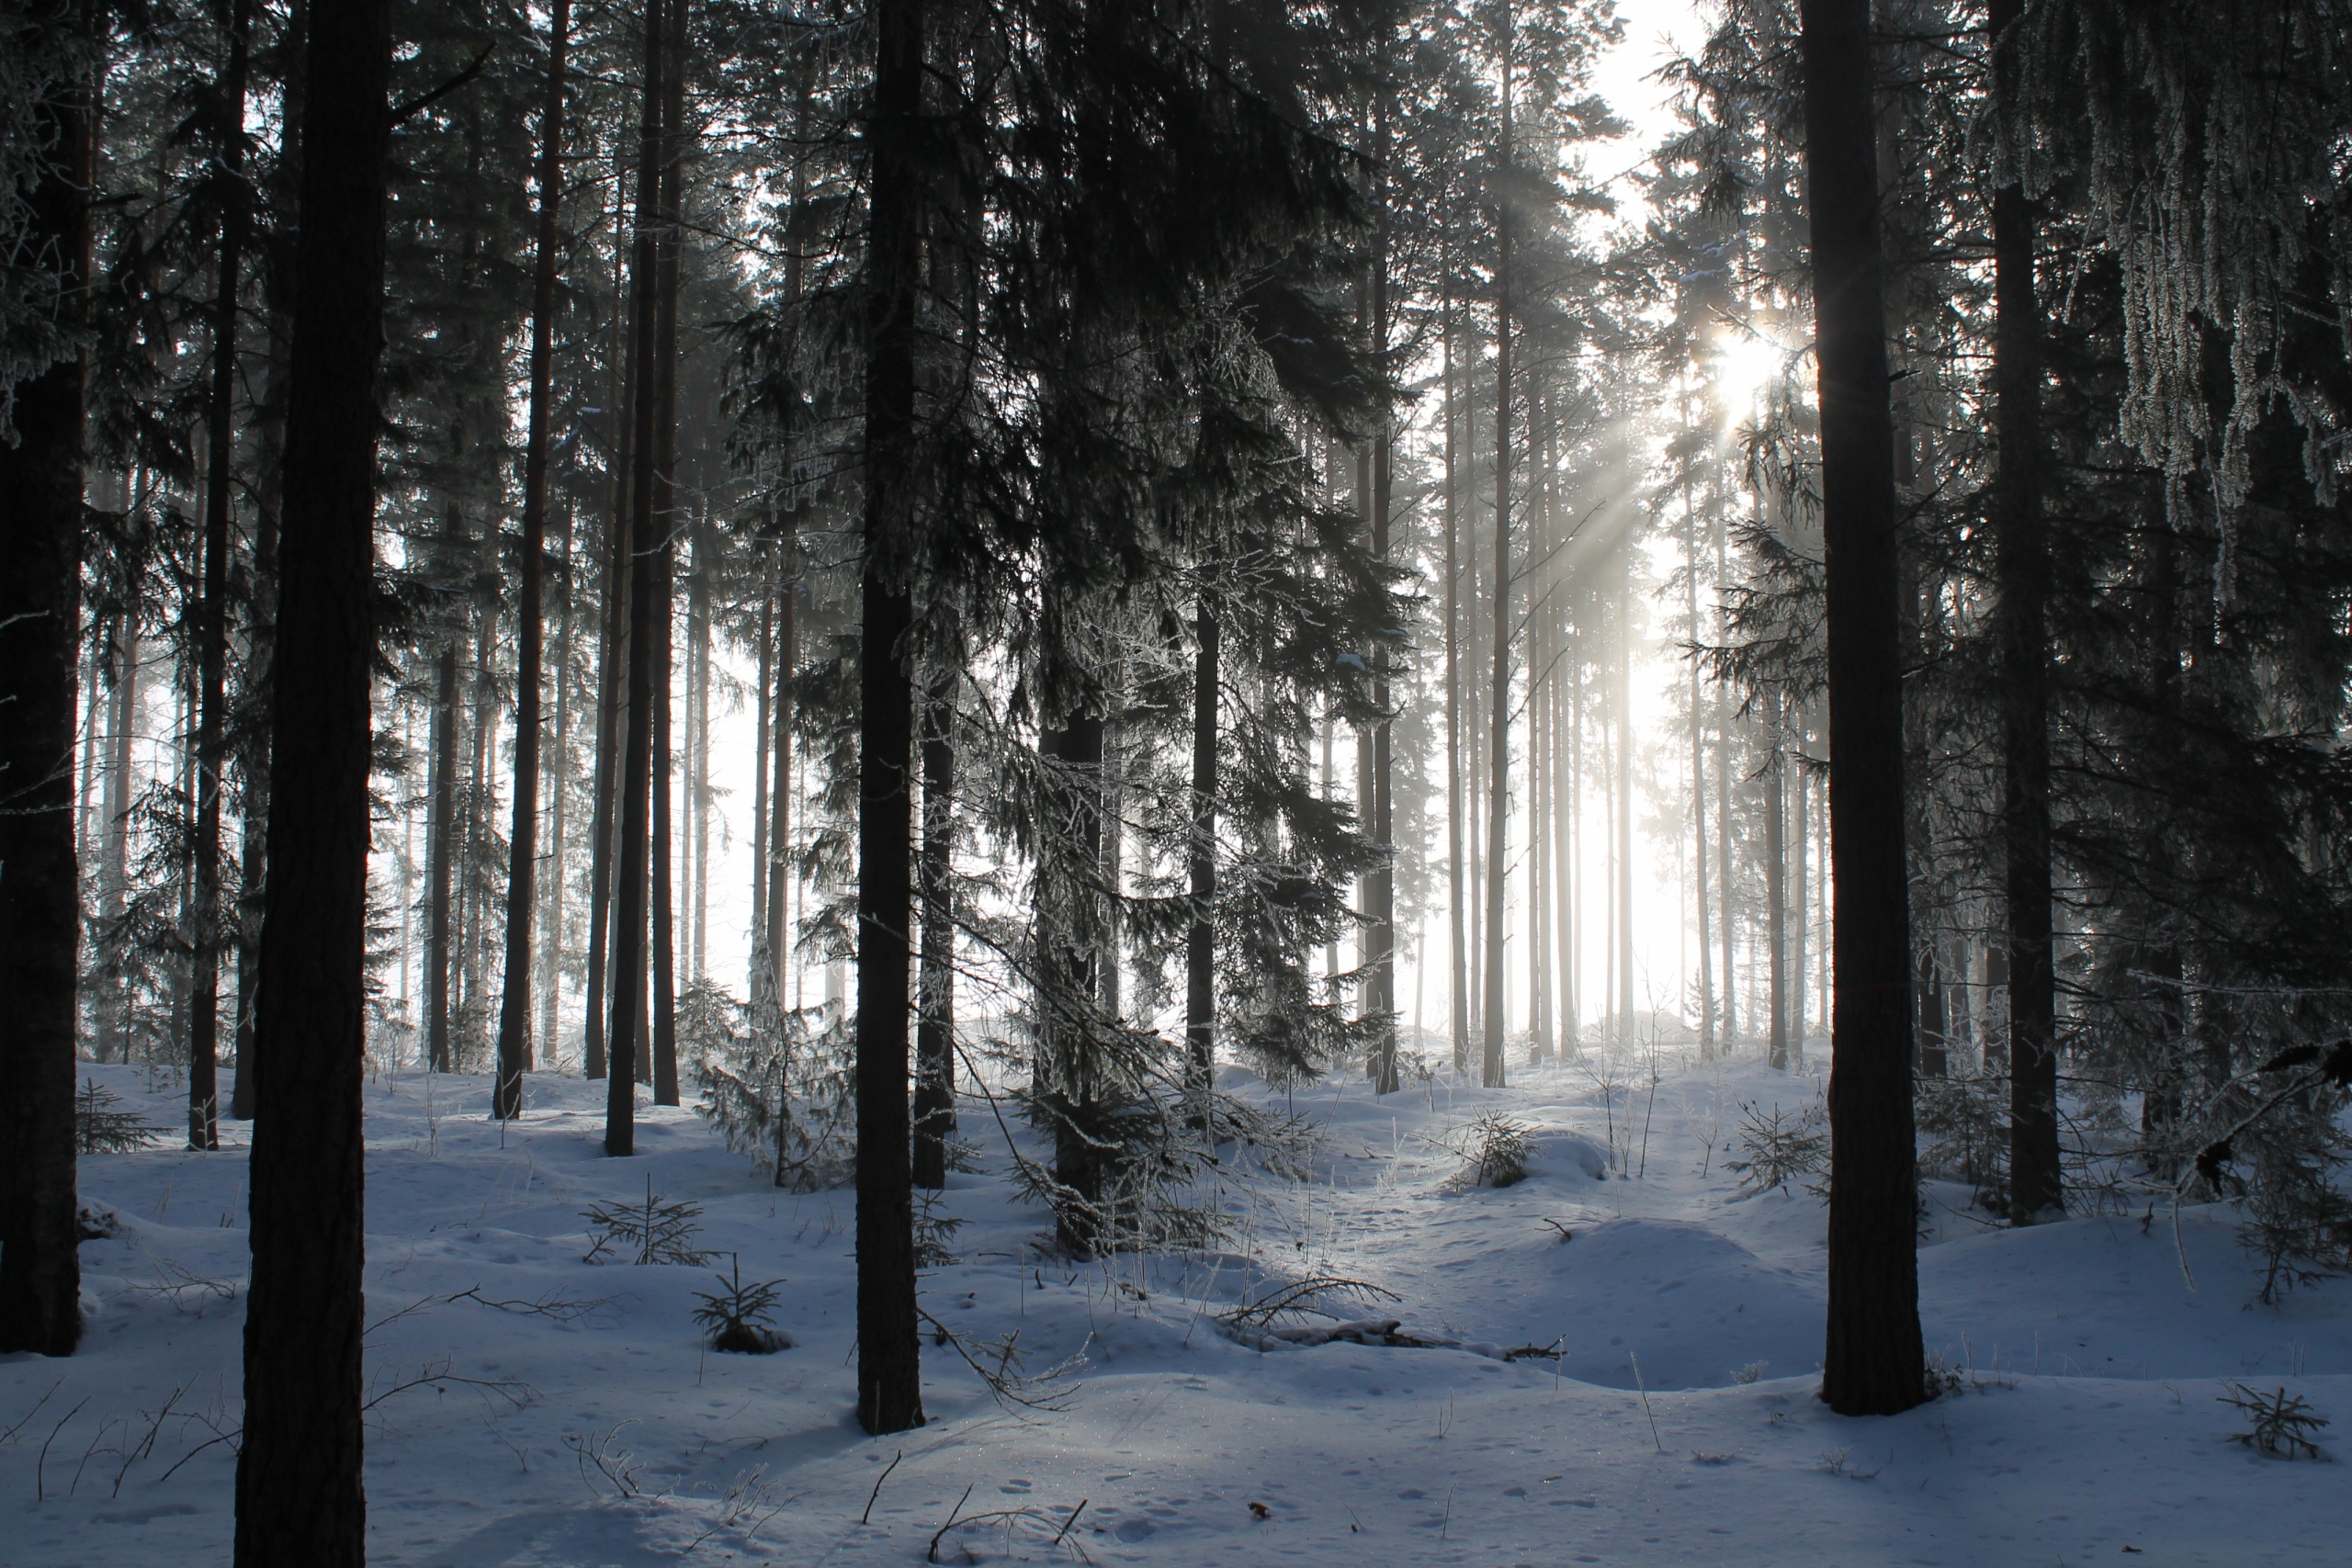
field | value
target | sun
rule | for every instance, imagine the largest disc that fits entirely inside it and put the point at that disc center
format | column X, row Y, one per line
column 1743, row 365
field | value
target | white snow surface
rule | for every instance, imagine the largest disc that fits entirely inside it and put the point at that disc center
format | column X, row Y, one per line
column 2088, row 1425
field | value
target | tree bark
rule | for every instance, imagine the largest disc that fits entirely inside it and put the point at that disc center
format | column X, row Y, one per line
column 2022, row 566
column 625, row 1041
column 1457, row 934
column 935, row 1001
column 890, row 1382
column 440, row 853
column 1776, row 885
column 299, row 1502
column 1380, row 887
column 1873, row 1363
column 1200, row 936
column 212, row 616
column 522, row 865
column 41, row 499
column 1499, row 718
column 665, row 563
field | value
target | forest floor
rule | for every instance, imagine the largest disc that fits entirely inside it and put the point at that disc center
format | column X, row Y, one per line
column 534, row 1408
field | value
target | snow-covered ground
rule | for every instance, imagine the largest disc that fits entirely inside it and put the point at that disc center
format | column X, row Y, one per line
column 537, row 1409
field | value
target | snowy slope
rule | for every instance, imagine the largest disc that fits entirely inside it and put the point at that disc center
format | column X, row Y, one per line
column 507, row 1368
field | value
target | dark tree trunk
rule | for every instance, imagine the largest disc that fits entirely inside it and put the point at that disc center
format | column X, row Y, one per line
column 522, row 865
column 1776, row 885
column 2022, row 568
column 626, row 1041
column 300, row 1502
column 935, row 996
column 780, row 870
column 1380, row 887
column 212, row 616
column 613, row 659
column 1071, row 942
column 1200, row 937
column 41, row 913
column 890, row 1357
column 665, row 566
column 1873, row 1362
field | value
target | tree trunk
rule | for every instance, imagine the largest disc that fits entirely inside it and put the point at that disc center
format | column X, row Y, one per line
column 2022, row 568
column 522, row 865
column 1458, row 990
column 559, row 814
column 1698, row 767
column 1776, row 884
column 936, row 1004
column 890, row 1382
column 114, row 1021
column 212, row 613
column 269, row 433
column 440, row 831
column 1200, row 936
column 300, row 1502
column 612, row 680
column 1499, row 765
column 663, row 542
column 1873, row 1363
column 625, row 1042
column 41, row 499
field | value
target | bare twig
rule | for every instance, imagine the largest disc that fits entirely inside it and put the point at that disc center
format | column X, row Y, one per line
column 871, row 1496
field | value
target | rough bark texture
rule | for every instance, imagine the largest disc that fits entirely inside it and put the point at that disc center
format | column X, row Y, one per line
column 2023, row 567
column 1873, row 1362
column 41, row 916
column 300, row 1502
column 521, row 867
column 890, row 1357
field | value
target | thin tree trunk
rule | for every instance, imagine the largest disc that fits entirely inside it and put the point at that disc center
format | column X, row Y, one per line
column 1200, row 937
column 1498, row 767
column 1873, row 1362
column 114, row 1019
column 1798, row 903
column 665, row 563
column 212, row 616
column 1458, row 988
column 890, row 1381
column 1723, row 796
column 41, row 493
column 269, row 433
column 625, row 1042
column 1776, row 885
column 698, row 641
column 1380, row 887
column 300, row 1502
column 559, row 815
column 440, row 833
column 760, row 980
column 934, row 1110
column 2022, row 568
column 1698, row 769
column 522, row 849
column 621, row 398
